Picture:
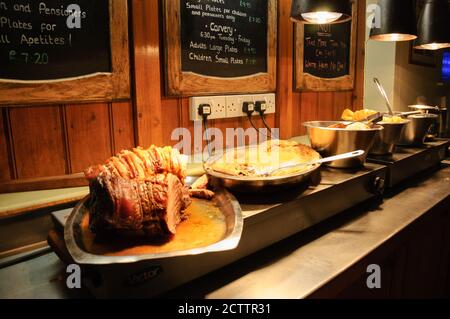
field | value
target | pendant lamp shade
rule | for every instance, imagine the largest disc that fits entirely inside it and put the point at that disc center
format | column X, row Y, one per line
column 434, row 26
column 321, row 11
column 397, row 21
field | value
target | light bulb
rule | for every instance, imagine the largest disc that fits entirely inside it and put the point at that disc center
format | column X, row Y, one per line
column 321, row 17
column 393, row 37
column 432, row 46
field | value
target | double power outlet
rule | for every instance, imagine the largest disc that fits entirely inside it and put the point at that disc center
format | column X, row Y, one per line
column 230, row 106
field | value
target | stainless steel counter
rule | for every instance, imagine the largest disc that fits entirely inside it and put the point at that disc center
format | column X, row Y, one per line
column 299, row 266
column 293, row 268
column 39, row 277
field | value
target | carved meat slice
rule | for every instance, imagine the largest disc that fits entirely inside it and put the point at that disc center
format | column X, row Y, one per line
column 201, row 193
column 199, row 188
column 151, row 208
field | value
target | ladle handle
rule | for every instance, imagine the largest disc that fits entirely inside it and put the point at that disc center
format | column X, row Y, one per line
column 339, row 157
column 383, row 93
column 324, row 160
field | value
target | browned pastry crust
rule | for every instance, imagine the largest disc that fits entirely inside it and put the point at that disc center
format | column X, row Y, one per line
column 246, row 162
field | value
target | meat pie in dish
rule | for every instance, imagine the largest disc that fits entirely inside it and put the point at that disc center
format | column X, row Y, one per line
column 267, row 156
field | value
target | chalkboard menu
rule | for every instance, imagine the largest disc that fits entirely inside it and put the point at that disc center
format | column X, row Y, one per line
column 224, row 38
column 325, row 55
column 220, row 46
column 327, row 50
column 63, row 51
column 54, row 39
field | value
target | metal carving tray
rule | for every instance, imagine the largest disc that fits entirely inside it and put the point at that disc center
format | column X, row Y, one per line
column 224, row 201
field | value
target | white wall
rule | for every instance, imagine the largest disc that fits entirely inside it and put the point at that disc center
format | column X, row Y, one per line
column 379, row 63
column 403, row 82
column 412, row 81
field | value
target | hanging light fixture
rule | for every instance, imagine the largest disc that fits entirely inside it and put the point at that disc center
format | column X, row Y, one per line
column 397, row 21
column 321, row 11
column 434, row 26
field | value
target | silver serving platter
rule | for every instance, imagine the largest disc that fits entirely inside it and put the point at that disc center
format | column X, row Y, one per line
column 223, row 199
column 251, row 184
column 330, row 141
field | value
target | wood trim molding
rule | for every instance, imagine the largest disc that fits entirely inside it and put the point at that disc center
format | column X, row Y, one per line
column 43, row 183
column 358, row 93
column 91, row 88
column 147, row 74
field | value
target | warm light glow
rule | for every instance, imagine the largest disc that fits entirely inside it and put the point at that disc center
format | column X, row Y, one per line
column 421, row 107
column 321, row 17
column 432, row 46
column 393, row 37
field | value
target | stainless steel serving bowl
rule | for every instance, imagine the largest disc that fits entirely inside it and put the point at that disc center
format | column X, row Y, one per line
column 417, row 129
column 386, row 140
column 333, row 141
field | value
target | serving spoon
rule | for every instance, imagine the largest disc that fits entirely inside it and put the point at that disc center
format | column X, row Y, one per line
column 267, row 172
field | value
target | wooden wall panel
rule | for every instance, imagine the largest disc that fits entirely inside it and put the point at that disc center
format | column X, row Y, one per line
column 296, row 114
column 309, row 109
column 121, row 117
column 5, row 171
column 285, row 70
column 245, row 123
column 325, row 106
column 147, row 74
column 358, row 93
column 183, row 105
column 341, row 101
column 73, row 137
column 88, row 135
column 170, row 119
column 37, row 138
column 222, row 125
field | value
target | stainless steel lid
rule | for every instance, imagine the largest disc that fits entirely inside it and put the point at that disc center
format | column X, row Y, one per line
column 422, row 116
column 424, row 107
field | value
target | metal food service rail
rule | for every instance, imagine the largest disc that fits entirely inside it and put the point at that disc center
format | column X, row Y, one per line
column 268, row 219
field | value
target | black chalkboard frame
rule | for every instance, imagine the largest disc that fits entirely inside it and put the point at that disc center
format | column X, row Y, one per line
column 307, row 82
column 180, row 83
column 97, row 87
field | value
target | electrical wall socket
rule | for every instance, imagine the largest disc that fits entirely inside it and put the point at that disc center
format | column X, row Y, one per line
column 271, row 103
column 235, row 103
column 217, row 103
column 230, row 106
column 234, row 106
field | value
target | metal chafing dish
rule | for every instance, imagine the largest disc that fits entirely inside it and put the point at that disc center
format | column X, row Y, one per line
column 247, row 184
column 441, row 121
column 330, row 141
column 417, row 129
column 386, row 140
column 266, row 182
